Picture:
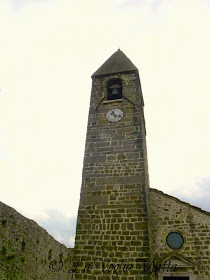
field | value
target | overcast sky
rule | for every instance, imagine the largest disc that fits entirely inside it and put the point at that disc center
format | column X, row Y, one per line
column 48, row 51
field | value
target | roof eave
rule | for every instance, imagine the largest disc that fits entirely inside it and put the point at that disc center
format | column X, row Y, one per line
column 114, row 73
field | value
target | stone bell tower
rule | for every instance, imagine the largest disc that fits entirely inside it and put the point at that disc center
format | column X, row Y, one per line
column 113, row 215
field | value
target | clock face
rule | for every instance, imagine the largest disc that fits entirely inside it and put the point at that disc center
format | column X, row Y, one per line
column 114, row 115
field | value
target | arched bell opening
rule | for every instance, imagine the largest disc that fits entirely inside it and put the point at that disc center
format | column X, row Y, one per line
column 114, row 88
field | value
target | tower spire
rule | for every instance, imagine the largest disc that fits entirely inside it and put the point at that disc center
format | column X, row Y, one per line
column 113, row 219
column 117, row 63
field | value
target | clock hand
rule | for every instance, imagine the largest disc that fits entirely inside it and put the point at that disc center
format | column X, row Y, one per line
column 113, row 114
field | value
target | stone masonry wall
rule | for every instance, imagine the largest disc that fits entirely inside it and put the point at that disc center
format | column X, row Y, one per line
column 26, row 249
column 170, row 214
column 113, row 218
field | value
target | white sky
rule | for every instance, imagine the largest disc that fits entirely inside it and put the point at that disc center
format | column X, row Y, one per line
column 48, row 51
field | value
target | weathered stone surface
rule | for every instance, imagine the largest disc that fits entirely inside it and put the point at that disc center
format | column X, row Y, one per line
column 118, row 180
column 113, row 216
column 93, row 200
column 122, row 218
column 169, row 214
column 26, row 249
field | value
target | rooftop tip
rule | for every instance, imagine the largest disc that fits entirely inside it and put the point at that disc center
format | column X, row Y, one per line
column 116, row 63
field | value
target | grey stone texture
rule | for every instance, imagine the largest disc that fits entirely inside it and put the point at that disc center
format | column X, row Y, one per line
column 169, row 214
column 113, row 213
column 26, row 249
column 117, row 63
column 120, row 217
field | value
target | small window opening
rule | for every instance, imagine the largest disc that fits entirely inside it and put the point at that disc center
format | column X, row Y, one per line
column 114, row 89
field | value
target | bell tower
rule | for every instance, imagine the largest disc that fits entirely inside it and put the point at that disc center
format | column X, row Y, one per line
column 113, row 215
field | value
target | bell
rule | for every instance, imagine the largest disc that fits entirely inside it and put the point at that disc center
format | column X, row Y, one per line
column 115, row 94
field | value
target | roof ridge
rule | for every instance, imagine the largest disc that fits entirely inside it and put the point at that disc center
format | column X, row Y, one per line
column 186, row 203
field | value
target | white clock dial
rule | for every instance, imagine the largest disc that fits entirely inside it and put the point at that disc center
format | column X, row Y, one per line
column 114, row 115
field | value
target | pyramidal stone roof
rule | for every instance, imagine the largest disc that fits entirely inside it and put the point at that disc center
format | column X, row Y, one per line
column 117, row 63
